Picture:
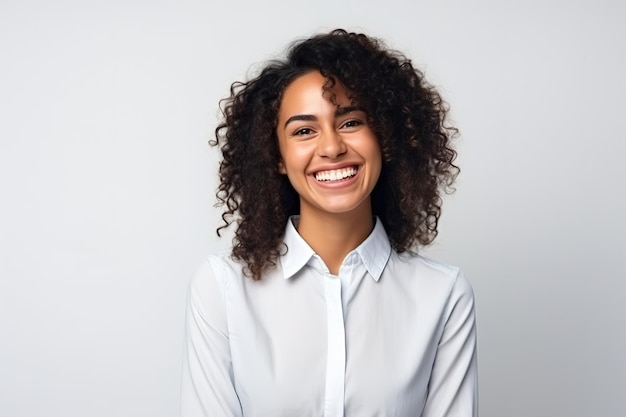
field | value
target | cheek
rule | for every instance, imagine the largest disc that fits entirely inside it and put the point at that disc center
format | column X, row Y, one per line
column 376, row 158
column 296, row 157
column 374, row 151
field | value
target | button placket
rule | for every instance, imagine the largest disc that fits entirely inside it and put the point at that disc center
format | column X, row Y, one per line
column 336, row 349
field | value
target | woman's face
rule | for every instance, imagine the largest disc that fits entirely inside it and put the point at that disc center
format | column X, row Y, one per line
column 328, row 151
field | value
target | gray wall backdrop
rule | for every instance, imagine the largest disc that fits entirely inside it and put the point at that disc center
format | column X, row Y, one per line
column 107, row 187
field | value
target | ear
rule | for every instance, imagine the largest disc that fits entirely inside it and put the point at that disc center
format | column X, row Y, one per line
column 281, row 167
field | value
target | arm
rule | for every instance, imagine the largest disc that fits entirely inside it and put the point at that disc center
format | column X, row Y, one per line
column 453, row 386
column 207, row 387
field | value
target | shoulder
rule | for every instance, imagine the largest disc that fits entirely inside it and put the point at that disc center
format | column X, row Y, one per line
column 431, row 273
column 213, row 277
column 415, row 264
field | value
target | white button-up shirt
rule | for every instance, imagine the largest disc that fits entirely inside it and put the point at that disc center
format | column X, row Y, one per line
column 391, row 335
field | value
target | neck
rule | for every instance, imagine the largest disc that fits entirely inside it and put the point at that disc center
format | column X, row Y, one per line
column 332, row 236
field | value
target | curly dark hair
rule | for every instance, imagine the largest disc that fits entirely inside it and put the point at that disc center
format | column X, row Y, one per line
column 407, row 115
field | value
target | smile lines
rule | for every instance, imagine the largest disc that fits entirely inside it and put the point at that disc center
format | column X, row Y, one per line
column 336, row 174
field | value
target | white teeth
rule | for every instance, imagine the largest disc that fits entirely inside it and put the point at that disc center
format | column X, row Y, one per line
column 335, row 174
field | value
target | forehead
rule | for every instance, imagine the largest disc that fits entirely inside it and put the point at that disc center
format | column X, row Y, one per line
column 314, row 88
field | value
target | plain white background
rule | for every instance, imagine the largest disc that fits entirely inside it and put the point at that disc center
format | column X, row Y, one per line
column 107, row 186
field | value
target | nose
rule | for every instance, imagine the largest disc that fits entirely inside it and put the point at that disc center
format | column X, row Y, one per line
column 331, row 145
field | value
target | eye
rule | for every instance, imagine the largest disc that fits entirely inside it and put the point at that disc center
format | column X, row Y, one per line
column 304, row 131
column 352, row 123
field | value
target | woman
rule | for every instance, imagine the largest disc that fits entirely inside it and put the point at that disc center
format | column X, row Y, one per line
column 333, row 164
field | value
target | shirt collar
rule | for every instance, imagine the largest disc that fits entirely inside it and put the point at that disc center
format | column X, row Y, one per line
column 374, row 251
column 298, row 251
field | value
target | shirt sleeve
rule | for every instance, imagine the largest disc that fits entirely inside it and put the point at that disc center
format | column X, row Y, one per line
column 207, row 387
column 453, row 386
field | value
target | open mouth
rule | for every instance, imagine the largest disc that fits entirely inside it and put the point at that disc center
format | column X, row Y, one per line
column 336, row 174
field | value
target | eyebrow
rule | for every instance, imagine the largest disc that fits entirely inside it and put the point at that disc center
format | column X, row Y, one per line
column 303, row 117
column 341, row 111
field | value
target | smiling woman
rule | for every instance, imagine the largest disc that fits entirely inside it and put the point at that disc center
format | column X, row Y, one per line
column 332, row 159
column 333, row 164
